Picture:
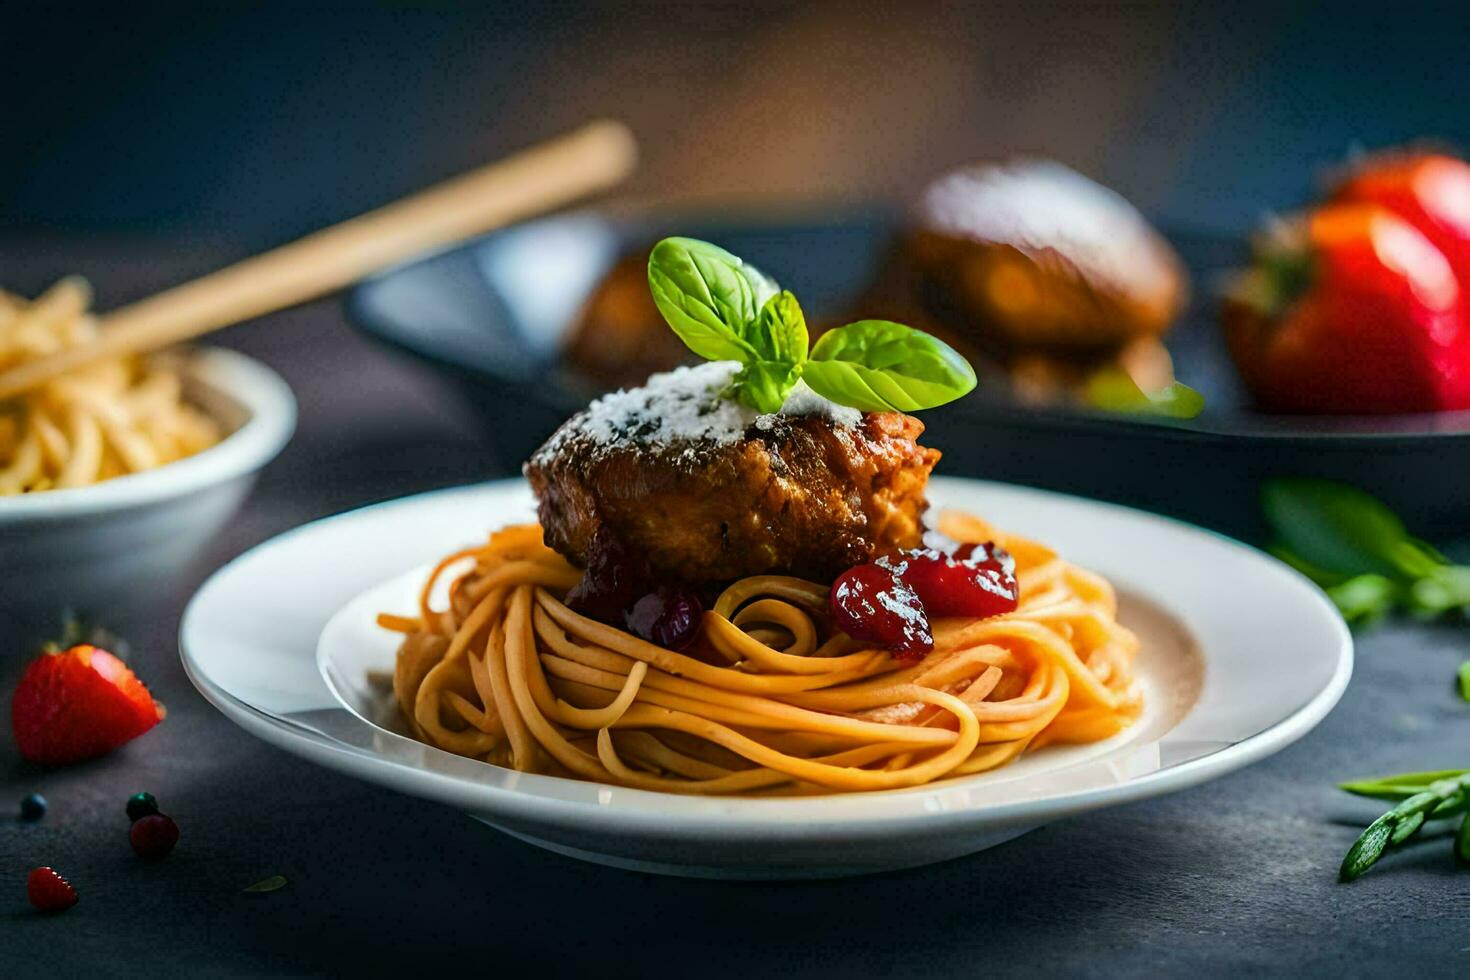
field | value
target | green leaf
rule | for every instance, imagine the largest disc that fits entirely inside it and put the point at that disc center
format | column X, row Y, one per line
column 1425, row 801
column 708, row 296
column 1404, row 784
column 764, row 385
column 878, row 365
column 779, row 331
column 1364, row 599
column 1430, row 551
column 1440, row 798
column 1462, row 840
column 1316, row 573
column 271, row 884
column 1367, row 849
column 1442, row 589
column 1342, row 529
column 1114, row 390
column 1406, row 828
column 1464, row 677
column 1451, row 805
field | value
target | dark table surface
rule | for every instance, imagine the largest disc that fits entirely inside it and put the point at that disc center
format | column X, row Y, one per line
column 1234, row 876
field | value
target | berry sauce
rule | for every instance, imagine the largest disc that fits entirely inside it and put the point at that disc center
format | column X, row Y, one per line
column 888, row 602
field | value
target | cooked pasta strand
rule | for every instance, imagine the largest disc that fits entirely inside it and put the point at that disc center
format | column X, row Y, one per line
column 107, row 420
column 770, row 699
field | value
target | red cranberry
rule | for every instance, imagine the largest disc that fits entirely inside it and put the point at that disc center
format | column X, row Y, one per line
column 612, row 583
column 668, row 616
column 978, row 580
column 153, row 836
column 871, row 605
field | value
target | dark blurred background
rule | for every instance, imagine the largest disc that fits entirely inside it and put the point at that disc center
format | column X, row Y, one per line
column 250, row 123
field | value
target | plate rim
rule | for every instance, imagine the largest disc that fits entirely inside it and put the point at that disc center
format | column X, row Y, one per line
column 648, row 823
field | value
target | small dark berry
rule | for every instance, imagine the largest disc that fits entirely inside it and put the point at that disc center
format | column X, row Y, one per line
column 33, row 807
column 50, row 892
column 614, row 580
column 153, row 836
column 141, row 805
column 668, row 616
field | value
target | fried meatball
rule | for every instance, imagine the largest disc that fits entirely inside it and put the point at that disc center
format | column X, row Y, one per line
column 1033, row 256
column 707, row 490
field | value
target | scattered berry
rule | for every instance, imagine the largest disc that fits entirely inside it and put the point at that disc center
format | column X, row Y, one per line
column 33, row 807
column 872, row 605
column 50, row 892
column 668, row 616
column 153, row 836
column 79, row 704
column 141, row 805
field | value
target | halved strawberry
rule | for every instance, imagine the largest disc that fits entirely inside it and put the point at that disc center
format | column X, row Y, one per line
column 50, row 892
column 78, row 704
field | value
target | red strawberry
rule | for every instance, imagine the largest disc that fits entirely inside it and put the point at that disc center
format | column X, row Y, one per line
column 1351, row 310
column 50, row 892
column 1431, row 191
column 79, row 704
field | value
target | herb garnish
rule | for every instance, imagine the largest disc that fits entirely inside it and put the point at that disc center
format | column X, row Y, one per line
column 1113, row 389
column 1421, row 797
column 726, row 310
column 1360, row 552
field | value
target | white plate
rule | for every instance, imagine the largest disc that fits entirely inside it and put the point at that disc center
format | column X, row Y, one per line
column 1241, row 657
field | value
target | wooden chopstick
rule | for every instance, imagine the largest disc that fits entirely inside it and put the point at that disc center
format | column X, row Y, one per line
column 546, row 176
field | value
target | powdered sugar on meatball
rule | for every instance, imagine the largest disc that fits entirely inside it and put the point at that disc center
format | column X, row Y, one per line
column 688, row 407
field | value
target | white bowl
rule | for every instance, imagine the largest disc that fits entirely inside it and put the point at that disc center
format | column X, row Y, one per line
column 104, row 551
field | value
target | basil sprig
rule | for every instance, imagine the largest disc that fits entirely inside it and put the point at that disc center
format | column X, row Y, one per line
column 1418, row 798
column 726, row 310
column 1359, row 551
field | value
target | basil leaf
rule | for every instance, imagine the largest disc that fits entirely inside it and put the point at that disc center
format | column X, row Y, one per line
column 779, row 331
column 878, row 366
column 708, row 296
column 1114, row 390
column 764, row 385
column 1342, row 529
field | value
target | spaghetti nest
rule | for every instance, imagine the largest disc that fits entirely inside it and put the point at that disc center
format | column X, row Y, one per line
column 769, row 699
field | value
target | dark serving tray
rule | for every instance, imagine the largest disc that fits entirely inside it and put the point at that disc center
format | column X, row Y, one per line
column 491, row 315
